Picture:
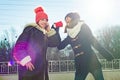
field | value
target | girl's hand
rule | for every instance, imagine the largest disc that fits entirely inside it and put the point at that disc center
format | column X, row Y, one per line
column 47, row 27
column 29, row 66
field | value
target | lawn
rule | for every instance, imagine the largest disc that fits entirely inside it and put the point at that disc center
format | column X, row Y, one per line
column 62, row 76
column 108, row 75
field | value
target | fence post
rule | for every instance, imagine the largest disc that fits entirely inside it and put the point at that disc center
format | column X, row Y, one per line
column 59, row 66
column 119, row 63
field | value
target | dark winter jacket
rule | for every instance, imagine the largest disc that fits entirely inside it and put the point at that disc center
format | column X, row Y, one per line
column 32, row 45
column 82, row 44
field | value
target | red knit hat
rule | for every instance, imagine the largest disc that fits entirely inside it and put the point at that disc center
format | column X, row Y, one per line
column 40, row 14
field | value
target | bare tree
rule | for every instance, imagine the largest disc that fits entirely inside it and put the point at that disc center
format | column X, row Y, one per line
column 6, row 44
column 109, row 37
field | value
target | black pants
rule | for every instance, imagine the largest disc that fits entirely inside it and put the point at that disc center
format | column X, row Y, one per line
column 97, row 74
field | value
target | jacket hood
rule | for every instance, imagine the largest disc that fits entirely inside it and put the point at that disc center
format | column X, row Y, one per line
column 36, row 26
column 31, row 25
column 50, row 33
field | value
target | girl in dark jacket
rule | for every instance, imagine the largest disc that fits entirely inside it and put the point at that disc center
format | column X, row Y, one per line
column 30, row 48
column 81, row 40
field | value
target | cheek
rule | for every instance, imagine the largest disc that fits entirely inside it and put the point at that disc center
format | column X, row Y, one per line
column 39, row 23
column 43, row 25
column 66, row 20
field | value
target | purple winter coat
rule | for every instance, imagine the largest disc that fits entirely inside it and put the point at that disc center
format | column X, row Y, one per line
column 31, row 46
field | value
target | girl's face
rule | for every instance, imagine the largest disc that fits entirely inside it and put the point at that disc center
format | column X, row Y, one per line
column 43, row 23
column 67, row 20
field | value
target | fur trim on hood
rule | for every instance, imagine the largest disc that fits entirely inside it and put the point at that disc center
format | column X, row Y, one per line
column 36, row 26
column 31, row 24
column 50, row 33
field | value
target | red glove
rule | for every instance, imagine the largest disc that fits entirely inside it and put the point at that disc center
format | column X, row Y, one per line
column 58, row 24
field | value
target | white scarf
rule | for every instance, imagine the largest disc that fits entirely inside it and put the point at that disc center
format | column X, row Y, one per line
column 75, row 30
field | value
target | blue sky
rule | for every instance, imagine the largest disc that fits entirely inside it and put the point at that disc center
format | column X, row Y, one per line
column 96, row 13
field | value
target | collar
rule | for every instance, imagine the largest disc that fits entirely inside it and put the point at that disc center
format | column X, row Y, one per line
column 75, row 30
column 37, row 26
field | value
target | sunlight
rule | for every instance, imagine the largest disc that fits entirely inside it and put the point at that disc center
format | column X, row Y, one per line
column 100, row 9
column 97, row 13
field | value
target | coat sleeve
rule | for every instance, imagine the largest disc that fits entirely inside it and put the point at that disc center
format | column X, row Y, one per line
column 63, row 44
column 20, row 48
column 103, row 51
column 53, row 38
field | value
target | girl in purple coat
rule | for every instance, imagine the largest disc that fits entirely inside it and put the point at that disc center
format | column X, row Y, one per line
column 30, row 48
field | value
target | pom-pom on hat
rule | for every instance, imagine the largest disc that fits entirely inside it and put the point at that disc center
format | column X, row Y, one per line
column 40, row 14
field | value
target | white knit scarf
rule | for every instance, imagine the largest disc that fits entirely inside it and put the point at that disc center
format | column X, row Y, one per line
column 75, row 30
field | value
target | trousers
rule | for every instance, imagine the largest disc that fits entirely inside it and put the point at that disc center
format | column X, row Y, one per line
column 97, row 74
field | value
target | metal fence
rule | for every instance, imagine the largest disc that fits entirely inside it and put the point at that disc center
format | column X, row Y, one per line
column 5, row 68
column 60, row 66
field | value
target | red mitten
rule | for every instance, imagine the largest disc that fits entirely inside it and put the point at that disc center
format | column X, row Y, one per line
column 58, row 24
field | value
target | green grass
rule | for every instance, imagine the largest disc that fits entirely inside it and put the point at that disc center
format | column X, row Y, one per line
column 62, row 76
column 66, row 76
column 108, row 75
column 0, row 78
